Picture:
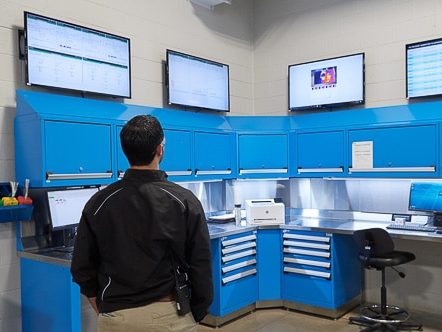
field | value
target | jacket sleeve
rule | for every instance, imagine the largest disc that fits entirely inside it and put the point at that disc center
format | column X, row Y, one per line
column 84, row 266
column 200, row 261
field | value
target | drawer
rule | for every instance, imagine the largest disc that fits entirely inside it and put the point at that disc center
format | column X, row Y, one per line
column 307, row 244
column 238, row 247
column 307, row 272
column 241, row 254
column 230, row 241
column 233, row 267
column 238, row 276
column 307, row 237
column 309, row 262
column 304, row 252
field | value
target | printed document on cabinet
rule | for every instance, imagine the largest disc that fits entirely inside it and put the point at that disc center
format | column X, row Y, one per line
column 362, row 155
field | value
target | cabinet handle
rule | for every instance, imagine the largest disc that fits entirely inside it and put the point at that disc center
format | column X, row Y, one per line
column 121, row 174
column 226, row 243
column 241, row 254
column 179, row 173
column 263, row 170
column 320, row 170
column 239, row 247
column 307, row 237
column 325, row 254
column 238, row 276
column 392, row 169
column 306, row 262
column 238, row 266
column 307, row 245
column 307, row 272
column 75, row 176
column 219, row 172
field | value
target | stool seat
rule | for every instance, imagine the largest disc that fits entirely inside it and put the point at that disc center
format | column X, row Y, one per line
column 392, row 258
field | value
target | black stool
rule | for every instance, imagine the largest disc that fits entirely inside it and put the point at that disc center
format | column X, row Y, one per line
column 377, row 252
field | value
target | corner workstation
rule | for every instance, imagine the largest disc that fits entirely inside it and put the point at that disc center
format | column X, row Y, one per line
column 296, row 124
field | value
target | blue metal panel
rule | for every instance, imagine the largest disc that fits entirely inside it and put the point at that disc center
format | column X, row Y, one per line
column 259, row 123
column 347, row 270
column 214, row 152
column 320, row 149
column 122, row 162
column 78, row 148
column 50, row 301
column 238, row 294
column 215, row 246
column 180, row 156
column 263, row 151
column 269, row 264
column 399, row 146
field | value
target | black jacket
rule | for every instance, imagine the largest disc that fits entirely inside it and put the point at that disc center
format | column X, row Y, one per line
column 123, row 245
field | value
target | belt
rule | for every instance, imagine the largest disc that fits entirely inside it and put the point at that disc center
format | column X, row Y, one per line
column 167, row 298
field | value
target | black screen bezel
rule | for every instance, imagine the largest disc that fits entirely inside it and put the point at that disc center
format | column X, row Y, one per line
column 168, row 52
column 26, row 13
column 323, row 106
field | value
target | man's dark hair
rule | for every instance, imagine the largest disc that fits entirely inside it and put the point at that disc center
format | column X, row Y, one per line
column 140, row 137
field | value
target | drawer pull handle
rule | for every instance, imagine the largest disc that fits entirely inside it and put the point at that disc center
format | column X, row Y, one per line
column 306, row 262
column 325, row 254
column 307, row 237
column 307, row 272
column 239, row 247
column 238, row 276
column 241, row 254
column 226, row 243
column 238, row 266
column 307, row 245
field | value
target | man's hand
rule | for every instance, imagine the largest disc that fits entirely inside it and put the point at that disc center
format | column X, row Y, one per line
column 93, row 302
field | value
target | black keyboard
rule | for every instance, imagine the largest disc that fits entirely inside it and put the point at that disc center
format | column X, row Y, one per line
column 418, row 228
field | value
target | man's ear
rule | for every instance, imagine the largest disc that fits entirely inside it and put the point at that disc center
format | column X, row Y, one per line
column 159, row 150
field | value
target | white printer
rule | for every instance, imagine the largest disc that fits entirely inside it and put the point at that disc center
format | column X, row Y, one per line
column 264, row 212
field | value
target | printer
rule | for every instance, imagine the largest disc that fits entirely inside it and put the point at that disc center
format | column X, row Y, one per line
column 264, row 212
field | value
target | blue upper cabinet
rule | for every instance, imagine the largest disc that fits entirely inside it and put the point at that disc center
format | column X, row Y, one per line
column 178, row 154
column 122, row 162
column 263, row 155
column 77, row 152
column 319, row 153
column 394, row 151
column 214, row 155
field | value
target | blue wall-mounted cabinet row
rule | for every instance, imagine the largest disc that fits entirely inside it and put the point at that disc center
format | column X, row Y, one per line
column 61, row 141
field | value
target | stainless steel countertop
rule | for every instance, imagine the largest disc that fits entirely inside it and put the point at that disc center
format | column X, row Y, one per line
column 327, row 224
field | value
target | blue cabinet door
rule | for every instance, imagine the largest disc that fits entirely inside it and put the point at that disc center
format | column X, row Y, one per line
column 398, row 151
column 214, row 155
column 178, row 154
column 77, row 153
column 263, row 155
column 269, row 265
column 122, row 162
column 320, row 154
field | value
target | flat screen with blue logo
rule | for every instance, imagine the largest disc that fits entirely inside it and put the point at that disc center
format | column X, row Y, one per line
column 426, row 196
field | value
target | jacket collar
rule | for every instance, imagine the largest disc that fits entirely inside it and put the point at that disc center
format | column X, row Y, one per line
column 152, row 175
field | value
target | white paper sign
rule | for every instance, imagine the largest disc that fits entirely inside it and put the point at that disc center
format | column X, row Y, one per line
column 362, row 155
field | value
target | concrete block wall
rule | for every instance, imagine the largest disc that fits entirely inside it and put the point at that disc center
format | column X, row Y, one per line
column 222, row 35
column 296, row 31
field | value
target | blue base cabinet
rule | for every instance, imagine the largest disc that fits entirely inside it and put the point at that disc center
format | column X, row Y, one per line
column 234, row 273
column 269, row 265
column 320, row 269
column 50, row 301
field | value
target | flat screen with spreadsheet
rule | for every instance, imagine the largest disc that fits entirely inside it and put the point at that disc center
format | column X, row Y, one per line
column 66, row 206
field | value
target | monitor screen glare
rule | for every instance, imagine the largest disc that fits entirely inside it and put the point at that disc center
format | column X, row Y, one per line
column 69, row 56
column 197, row 82
column 328, row 82
column 66, row 206
column 426, row 196
column 424, row 69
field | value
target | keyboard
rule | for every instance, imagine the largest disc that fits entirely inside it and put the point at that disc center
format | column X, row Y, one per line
column 418, row 228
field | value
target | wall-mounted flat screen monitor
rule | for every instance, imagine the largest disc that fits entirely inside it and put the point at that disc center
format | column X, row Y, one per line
column 327, row 83
column 425, row 196
column 197, row 82
column 424, row 68
column 66, row 206
column 69, row 56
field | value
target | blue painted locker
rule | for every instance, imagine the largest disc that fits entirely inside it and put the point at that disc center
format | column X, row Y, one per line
column 320, row 153
column 214, row 155
column 178, row 161
column 398, row 151
column 235, row 273
column 263, row 155
column 77, row 152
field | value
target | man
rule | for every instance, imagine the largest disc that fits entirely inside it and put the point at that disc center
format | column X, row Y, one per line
column 129, row 235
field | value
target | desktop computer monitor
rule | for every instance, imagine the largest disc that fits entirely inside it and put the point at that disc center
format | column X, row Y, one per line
column 66, row 206
column 426, row 196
